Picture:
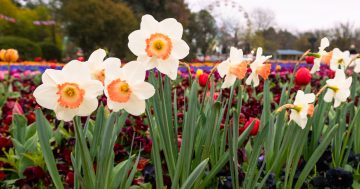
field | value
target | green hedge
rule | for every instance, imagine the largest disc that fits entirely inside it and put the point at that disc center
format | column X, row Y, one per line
column 50, row 51
column 27, row 49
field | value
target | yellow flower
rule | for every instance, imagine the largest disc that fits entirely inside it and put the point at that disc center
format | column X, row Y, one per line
column 11, row 55
column 199, row 72
column 2, row 54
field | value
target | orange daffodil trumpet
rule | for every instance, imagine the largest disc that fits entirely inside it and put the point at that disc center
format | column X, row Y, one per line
column 69, row 92
column 96, row 64
column 125, row 87
column 339, row 59
column 302, row 107
column 338, row 88
column 258, row 68
column 323, row 44
column 233, row 68
column 159, row 45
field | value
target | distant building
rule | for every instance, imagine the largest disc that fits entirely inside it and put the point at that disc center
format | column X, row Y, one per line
column 287, row 54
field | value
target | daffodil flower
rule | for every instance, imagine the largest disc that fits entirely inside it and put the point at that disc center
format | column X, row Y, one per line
column 69, row 92
column 96, row 64
column 323, row 44
column 338, row 88
column 233, row 68
column 159, row 45
column 302, row 107
column 258, row 68
column 125, row 87
column 339, row 59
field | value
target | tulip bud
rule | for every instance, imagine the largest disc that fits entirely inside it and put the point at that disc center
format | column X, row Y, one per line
column 11, row 55
column 309, row 59
column 203, row 79
column 278, row 68
column 255, row 128
column 2, row 54
column 302, row 76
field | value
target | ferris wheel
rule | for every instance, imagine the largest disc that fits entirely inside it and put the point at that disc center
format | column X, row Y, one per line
column 224, row 11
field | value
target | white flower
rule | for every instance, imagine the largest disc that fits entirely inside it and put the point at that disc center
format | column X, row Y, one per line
column 259, row 68
column 338, row 88
column 302, row 108
column 159, row 44
column 339, row 58
column 125, row 87
column 357, row 65
column 69, row 92
column 96, row 64
column 233, row 67
column 323, row 44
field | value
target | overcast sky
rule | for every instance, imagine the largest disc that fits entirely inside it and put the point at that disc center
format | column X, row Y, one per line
column 295, row 15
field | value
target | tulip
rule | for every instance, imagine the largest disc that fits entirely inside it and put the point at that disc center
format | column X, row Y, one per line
column 255, row 128
column 309, row 59
column 11, row 55
column 302, row 76
column 2, row 54
column 203, row 78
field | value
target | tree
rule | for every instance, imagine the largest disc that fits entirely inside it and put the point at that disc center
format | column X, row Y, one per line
column 161, row 9
column 262, row 18
column 201, row 32
column 95, row 24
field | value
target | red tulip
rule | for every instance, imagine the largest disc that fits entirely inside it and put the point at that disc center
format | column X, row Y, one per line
column 309, row 59
column 203, row 79
column 302, row 76
column 255, row 128
column 70, row 179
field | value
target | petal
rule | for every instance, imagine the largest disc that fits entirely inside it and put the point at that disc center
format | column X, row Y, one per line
column 137, row 42
column 309, row 98
column 250, row 78
column 143, row 90
column 339, row 75
column 337, row 103
column 65, row 114
column 324, row 43
column 149, row 24
column 180, row 49
column 135, row 106
column 112, row 70
column 133, row 72
column 52, row 77
column 259, row 52
column 45, row 96
column 97, row 56
column 113, row 61
column 316, row 66
column 168, row 67
column 93, row 88
column 236, row 55
column 223, row 68
column 357, row 66
column 228, row 81
column 256, row 81
column 172, row 28
column 76, row 71
column 348, row 82
column 114, row 106
column 329, row 95
column 88, row 106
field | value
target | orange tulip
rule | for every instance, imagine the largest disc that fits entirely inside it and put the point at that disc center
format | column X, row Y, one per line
column 11, row 55
column 2, row 54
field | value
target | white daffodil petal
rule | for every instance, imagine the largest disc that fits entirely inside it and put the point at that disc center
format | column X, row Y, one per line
column 72, row 69
column 143, row 90
column 97, row 56
column 309, row 98
column 228, row 81
column 87, row 107
column 133, row 72
column 52, row 77
column 149, row 24
column 137, row 42
column 46, row 96
column 168, row 67
column 180, row 49
column 114, row 106
column 172, row 28
column 316, row 66
column 65, row 114
column 337, row 103
column 329, row 95
column 135, row 106
column 236, row 55
column 223, row 68
column 93, row 88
